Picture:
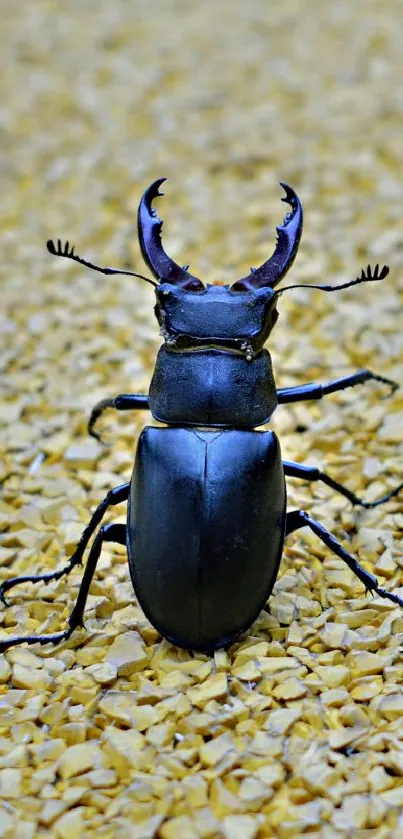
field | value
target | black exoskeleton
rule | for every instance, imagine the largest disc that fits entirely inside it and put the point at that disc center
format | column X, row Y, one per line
column 207, row 511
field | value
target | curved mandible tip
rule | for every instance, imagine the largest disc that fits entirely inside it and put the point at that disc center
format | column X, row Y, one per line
column 149, row 231
column 288, row 237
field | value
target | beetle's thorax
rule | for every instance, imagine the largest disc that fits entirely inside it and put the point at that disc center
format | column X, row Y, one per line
column 217, row 316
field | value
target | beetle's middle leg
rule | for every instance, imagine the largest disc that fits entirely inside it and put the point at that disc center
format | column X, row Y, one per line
column 312, row 390
column 311, row 473
column 123, row 402
column 107, row 533
column 298, row 518
column 114, row 496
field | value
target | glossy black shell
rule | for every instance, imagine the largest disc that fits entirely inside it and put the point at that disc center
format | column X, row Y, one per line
column 204, row 564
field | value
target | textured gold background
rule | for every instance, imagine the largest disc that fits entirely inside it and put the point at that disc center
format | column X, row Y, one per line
column 225, row 99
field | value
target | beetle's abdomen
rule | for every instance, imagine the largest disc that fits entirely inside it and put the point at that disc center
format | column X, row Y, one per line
column 212, row 387
column 205, row 530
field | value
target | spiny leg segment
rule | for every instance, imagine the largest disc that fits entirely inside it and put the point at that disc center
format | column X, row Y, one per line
column 312, row 473
column 114, row 496
column 298, row 518
column 314, row 390
column 107, row 533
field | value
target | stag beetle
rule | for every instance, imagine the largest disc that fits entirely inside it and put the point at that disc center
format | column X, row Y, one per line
column 207, row 512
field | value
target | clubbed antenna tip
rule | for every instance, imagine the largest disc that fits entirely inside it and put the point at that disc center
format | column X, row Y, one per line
column 68, row 251
column 368, row 275
column 59, row 250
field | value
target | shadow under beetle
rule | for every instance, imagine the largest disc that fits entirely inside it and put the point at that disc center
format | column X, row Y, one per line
column 207, row 515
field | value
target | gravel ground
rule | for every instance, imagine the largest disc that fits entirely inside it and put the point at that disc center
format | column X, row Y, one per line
column 297, row 729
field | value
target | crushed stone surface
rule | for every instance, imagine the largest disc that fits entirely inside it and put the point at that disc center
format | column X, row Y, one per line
column 297, row 729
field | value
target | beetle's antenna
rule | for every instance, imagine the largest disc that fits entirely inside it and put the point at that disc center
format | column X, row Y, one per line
column 68, row 252
column 366, row 277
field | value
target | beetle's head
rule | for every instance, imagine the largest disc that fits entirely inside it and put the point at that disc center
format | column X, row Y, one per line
column 236, row 318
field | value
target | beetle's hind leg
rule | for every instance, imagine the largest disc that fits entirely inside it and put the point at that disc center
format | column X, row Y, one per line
column 107, row 533
column 311, row 473
column 298, row 518
column 114, row 496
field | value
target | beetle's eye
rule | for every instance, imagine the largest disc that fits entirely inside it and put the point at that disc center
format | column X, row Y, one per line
column 194, row 285
column 239, row 286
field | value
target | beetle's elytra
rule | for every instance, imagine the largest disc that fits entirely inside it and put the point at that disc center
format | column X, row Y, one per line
column 206, row 515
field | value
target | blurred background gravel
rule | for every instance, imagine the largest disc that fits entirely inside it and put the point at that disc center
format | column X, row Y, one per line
column 225, row 99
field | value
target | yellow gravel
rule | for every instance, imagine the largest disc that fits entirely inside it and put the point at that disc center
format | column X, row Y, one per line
column 297, row 730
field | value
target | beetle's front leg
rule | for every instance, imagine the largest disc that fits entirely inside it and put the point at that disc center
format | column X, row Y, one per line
column 114, row 496
column 312, row 473
column 123, row 402
column 317, row 391
column 108, row 533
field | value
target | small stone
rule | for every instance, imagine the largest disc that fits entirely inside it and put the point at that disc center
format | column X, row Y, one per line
column 319, row 777
column 391, row 428
column 341, row 737
column 215, row 749
column 71, row 534
column 394, row 761
column 247, row 672
column 393, row 797
column 16, row 758
column 281, row 720
column 5, row 670
column 391, row 706
column 78, row 759
column 295, row 634
column 25, row 829
column 379, row 779
column 72, row 732
column 82, row 455
column 196, row 791
column 363, row 663
column 48, row 750
column 222, row 661
column 250, row 651
column 8, row 824
column 161, row 734
column 24, row 677
column 71, row 824
column 51, row 811
column 144, row 716
column 10, row 783
column 119, row 706
column 212, row 688
column 146, row 829
column 128, row 654
column 253, row 793
column 272, row 665
column 386, row 565
column 366, row 691
column 223, row 801
column 240, row 827
column 334, row 676
column 104, row 673
column 358, row 618
column 206, row 823
column 333, row 635
column 102, row 778
column 335, row 698
column 271, row 774
column 122, row 749
column 291, row 688
column 178, row 828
